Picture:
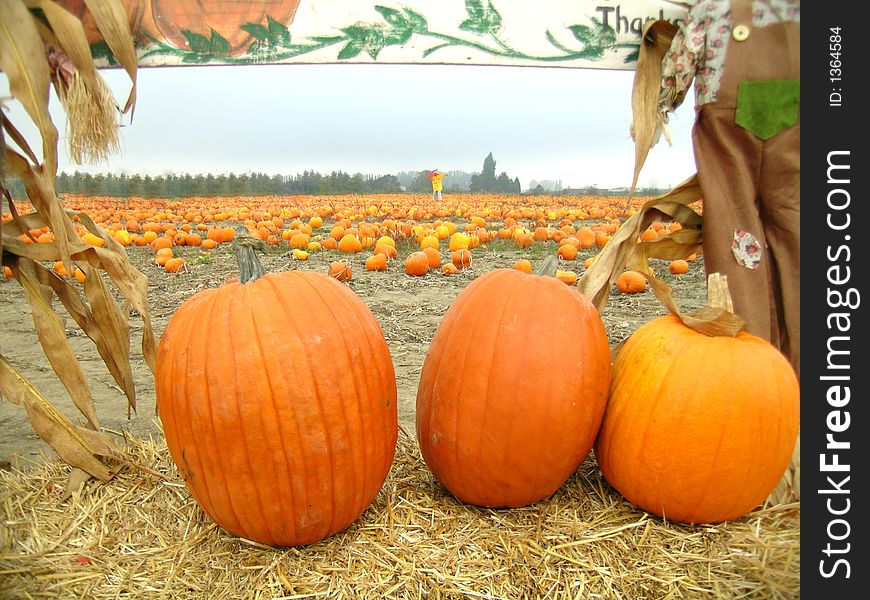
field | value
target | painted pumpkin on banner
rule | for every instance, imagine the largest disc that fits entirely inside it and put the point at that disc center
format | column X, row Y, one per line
column 188, row 23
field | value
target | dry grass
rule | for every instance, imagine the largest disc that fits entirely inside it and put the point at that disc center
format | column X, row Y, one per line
column 142, row 535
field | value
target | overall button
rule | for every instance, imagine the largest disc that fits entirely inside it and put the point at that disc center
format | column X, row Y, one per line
column 740, row 33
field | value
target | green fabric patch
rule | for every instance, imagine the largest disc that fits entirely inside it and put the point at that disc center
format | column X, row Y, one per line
column 767, row 107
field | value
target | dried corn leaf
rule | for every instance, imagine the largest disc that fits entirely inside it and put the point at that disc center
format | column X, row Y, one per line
column 75, row 445
column 10, row 130
column 52, row 336
column 92, row 114
column 40, row 192
column 22, row 58
column 114, row 328
column 647, row 124
column 67, row 33
column 112, row 343
column 111, row 20
column 132, row 284
column 112, row 259
column 625, row 250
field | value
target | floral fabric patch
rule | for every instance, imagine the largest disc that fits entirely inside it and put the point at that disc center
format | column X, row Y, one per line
column 746, row 249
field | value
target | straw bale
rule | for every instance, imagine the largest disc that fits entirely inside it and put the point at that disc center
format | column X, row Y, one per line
column 142, row 535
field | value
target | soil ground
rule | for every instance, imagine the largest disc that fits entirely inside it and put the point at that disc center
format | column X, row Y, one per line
column 408, row 309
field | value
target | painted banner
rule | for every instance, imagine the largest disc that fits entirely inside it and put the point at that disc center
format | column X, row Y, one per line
column 598, row 34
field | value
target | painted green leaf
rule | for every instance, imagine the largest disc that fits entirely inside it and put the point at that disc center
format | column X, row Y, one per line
column 416, row 21
column 219, row 44
column 582, row 33
column 391, row 15
column 494, row 18
column 197, row 42
column 351, row 50
column 326, row 39
column 634, row 55
column 370, row 38
column 481, row 19
column 358, row 33
column 101, row 50
column 260, row 33
column 195, row 58
column 278, row 32
column 475, row 10
column 400, row 28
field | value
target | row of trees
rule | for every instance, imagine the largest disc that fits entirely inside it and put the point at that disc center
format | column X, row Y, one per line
column 262, row 184
column 246, row 184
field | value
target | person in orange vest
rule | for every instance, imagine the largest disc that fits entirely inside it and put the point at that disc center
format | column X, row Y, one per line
column 437, row 178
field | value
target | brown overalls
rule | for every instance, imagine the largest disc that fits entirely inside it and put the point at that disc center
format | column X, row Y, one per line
column 749, row 184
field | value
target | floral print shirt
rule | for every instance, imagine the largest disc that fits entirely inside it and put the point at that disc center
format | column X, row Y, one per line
column 698, row 49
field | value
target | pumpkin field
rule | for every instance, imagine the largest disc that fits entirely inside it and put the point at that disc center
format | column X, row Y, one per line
column 142, row 534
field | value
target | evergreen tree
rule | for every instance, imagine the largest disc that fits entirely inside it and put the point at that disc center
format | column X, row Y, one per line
column 486, row 180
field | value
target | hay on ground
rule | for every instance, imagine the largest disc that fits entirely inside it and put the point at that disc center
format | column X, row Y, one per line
column 142, row 535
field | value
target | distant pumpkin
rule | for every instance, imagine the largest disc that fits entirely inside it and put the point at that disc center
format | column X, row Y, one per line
column 631, row 282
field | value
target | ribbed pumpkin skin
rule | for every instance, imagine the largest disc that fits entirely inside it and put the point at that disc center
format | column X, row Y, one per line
column 698, row 429
column 278, row 402
column 513, row 389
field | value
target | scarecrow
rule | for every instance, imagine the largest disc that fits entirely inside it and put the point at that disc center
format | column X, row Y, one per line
column 744, row 59
column 437, row 178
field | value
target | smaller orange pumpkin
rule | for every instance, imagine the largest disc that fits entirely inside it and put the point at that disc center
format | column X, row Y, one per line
column 567, row 277
column 678, row 267
column 417, row 264
column 449, row 269
column 461, row 259
column 176, row 264
column 434, row 257
column 631, row 282
column 349, row 243
column 376, row 262
column 95, row 240
column 567, row 252
column 340, row 270
column 524, row 265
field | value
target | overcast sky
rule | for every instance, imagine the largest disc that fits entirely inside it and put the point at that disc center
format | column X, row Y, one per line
column 539, row 123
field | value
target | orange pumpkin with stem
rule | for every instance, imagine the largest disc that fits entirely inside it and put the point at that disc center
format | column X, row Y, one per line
column 275, row 445
column 700, row 425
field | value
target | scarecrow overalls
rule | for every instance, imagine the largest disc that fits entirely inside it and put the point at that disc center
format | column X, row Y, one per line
column 747, row 152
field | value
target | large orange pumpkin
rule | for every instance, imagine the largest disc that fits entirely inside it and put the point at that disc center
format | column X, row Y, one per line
column 512, row 389
column 278, row 402
column 698, row 428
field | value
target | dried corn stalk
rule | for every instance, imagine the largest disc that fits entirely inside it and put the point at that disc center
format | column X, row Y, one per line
column 44, row 46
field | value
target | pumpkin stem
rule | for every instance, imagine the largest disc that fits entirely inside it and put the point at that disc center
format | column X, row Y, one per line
column 548, row 267
column 245, row 246
column 717, row 317
column 718, row 294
